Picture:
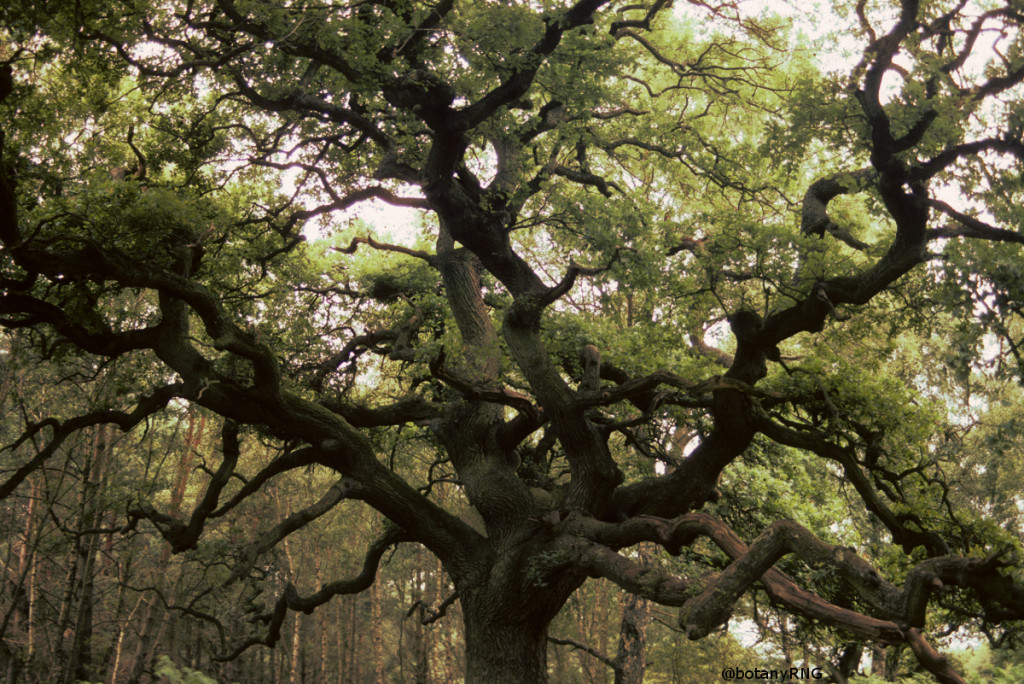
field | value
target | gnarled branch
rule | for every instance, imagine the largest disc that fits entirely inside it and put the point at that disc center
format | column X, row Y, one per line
column 291, row 600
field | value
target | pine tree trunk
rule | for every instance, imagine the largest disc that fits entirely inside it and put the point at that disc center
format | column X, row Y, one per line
column 340, row 631
column 295, row 671
column 115, row 668
column 376, row 634
column 294, row 675
column 30, row 648
column 139, row 661
column 154, row 620
column 80, row 655
column 323, row 620
column 22, row 601
column 632, row 652
column 421, row 651
column 632, row 640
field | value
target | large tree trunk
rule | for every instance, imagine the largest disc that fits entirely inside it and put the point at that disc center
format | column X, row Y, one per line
column 506, row 624
column 505, row 653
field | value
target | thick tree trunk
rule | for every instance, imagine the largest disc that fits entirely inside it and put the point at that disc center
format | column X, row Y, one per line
column 506, row 653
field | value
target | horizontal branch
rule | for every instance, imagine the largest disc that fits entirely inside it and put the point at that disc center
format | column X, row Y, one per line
column 954, row 154
column 290, row 599
column 586, row 178
column 93, row 334
column 572, row 273
column 494, row 395
column 970, row 227
column 707, row 605
column 385, row 247
column 589, row 650
column 409, row 409
column 338, row 492
column 632, row 389
column 147, row 406
column 282, row 464
column 816, row 443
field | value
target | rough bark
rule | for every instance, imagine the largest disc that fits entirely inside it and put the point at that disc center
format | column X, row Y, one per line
column 631, row 660
column 505, row 652
column 514, row 574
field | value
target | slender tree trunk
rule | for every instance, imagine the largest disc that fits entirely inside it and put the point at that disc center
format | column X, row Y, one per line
column 340, row 622
column 422, row 658
column 602, row 614
column 892, row 662
column 376, row 634
column 30, row 647
column 322, row 619
column 19, row 620
column 144, row 645
column 636, row 615
column 632, row 640
column 878, row 661
column 296, row 664
column 445, row 630
column 153, row 622
column 351, row 669
column 80, row 654
column 323, row 675
column 119, row 643
column 294, row 675
column 560, row 665
column 62, row 650
column 294, row 670
column 421, row 650
column 114, row 617
column 586, row 612
column 80, row 665
column 784, row 642
column 849, row 660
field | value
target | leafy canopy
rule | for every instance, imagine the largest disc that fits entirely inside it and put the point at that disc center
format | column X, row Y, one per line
column 672, row 281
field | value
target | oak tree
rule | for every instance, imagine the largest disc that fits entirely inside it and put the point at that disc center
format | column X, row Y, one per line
column 667, row 263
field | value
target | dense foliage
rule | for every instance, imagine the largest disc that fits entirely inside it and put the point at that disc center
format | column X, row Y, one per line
column 717, row 307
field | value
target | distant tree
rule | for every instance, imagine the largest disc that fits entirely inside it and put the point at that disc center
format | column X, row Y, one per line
column 663, row 260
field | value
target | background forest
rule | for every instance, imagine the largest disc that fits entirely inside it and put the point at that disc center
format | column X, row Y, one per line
column 696, row 341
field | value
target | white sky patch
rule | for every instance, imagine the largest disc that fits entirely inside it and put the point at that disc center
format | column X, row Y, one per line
column 389, row 223
column 396, row 225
